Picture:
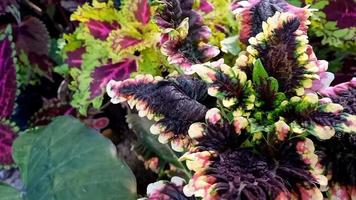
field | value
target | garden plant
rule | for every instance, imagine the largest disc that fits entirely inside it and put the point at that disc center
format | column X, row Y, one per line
column 177, row 99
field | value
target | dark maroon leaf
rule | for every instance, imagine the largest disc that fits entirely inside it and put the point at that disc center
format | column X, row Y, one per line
column 31, row 36
column 112, row 71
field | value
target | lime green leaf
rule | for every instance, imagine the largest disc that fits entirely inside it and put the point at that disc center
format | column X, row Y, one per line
column 259, row 73
column 67, row 160
column 320, row 4
column 341, row 33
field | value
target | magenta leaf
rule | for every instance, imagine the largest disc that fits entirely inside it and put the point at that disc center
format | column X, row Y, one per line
column 101, row 30
column 74, row 58
column 7, row 76
column 7, row 137
column 128, row 41
column 143, row 13
column 112, row 71
column 206, row 6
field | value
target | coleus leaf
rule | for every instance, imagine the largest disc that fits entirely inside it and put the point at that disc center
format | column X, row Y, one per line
column 101, row 29
column 32, row 36
column 253, row 13
column 342, row 11
column 174, row 103
column 187, row 35
column 51, row 108
column 228, row 84
column 8, row 133
column 282, row 49
column 8, row 83
column 142, row 12
column 343, row 94
column 74, row 58
column 112, row 71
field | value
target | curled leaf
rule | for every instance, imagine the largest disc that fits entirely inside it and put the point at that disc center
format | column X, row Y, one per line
column 175, row 104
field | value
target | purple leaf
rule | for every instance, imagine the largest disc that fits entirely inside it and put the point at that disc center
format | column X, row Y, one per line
column 42, row 63
column 143, row 13
column 101, row 30
column 74, row 58
column 7, row 137
column 103, row 74
column 7, row 78
column 344, row 12
column 32, row 36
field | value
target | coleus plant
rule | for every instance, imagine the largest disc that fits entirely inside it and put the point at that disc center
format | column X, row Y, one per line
column 260, row 129
column 119, row 34
column 136, row 38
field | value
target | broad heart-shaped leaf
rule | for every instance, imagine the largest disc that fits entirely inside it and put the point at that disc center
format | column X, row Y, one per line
column 7, row 75
column 112, row 71
column 9, row 193
column 141, row 126
column 67, row 160
column 259, row 73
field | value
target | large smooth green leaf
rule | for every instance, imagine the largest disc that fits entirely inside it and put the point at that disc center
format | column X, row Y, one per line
column 68, row 161
column 141, row 126
column 8, row 193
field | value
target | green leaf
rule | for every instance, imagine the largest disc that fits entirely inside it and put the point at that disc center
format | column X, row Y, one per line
column 259, row 73
column 296, row 2
column 331, row 26
column 9, row 193
column 67, row 160
column 273, row 84
column 341, row 33
column 320, row 4
column 141, row 127
column 230, row 45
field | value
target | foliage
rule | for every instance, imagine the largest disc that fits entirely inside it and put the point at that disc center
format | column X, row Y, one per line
column 55, row 162
column 215, row 99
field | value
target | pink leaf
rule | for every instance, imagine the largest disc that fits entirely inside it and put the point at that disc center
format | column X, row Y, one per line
column 143, row 12
column 103, row 74
column 7, row 78
column 100, row 29
column 123, row 42
column 205, row 6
